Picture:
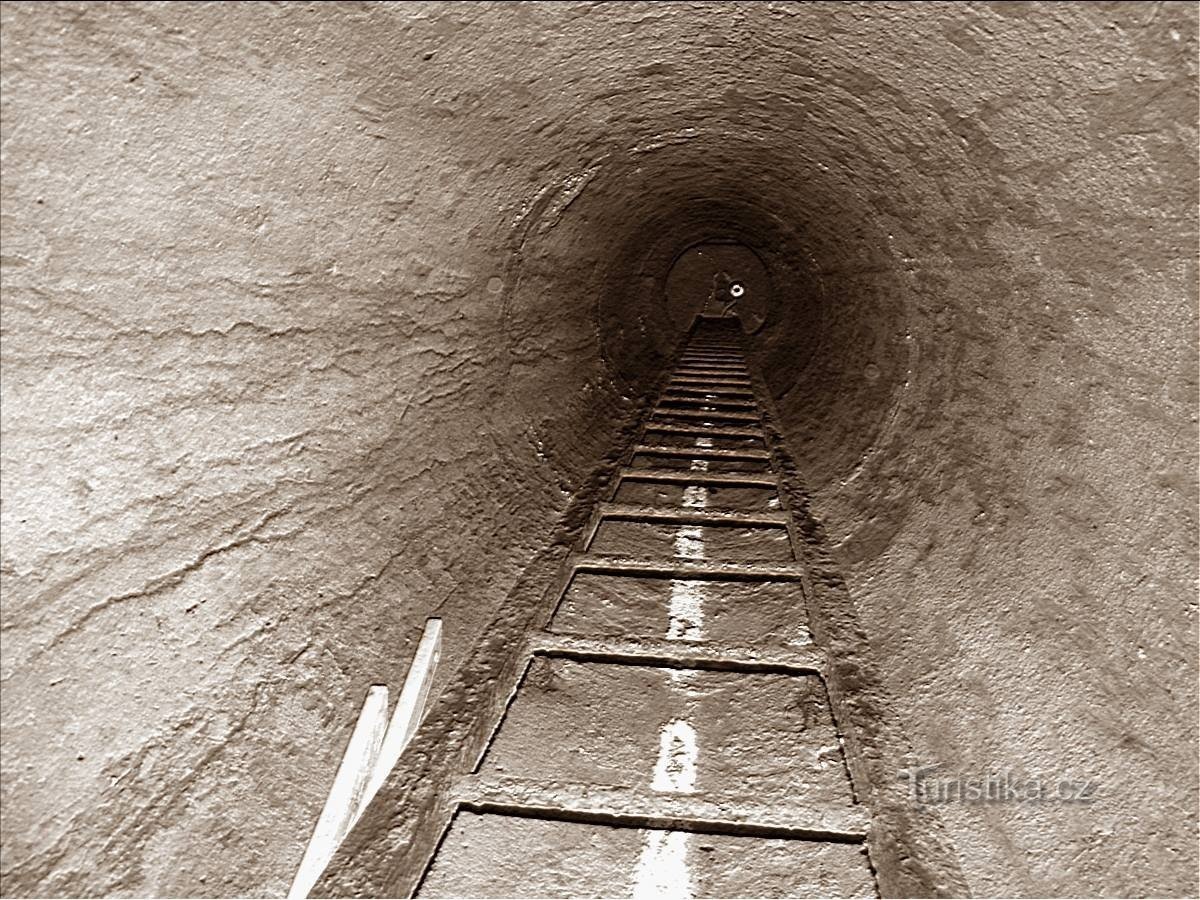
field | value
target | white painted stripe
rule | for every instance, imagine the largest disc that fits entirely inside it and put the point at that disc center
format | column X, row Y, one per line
column 675, row 770
column 686, row 611
column 689, row 542
column 662, row 870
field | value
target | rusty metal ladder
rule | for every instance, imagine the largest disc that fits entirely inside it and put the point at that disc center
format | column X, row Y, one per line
column 670, row 732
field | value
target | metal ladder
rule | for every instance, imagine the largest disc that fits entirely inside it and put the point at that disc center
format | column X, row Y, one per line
column 670, row 733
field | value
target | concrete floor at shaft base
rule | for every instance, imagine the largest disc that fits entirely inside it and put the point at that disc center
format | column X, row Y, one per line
column 688, row 775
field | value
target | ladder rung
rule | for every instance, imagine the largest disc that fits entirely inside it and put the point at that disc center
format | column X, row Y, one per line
column 567, row 801
column 687, row 476
column 718, row 391
column 714, row 431
column 747, row 455
column 715, row 380
column 691, row 402
column 629, row 512
column 703, row 570
column 680, row 654
column 726, row 415
column 708, row 386
column 705, row 371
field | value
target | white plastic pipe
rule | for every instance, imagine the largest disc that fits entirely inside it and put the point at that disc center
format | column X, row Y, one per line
column 409, row 708
column 374, row 748
column 346, row 795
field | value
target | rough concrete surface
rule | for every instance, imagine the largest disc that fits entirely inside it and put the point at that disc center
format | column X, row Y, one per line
column 315, row 317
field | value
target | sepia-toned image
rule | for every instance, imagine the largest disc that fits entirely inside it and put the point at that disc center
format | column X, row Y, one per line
column 657, row 449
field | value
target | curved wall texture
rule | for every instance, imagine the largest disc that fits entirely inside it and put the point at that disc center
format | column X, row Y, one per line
column 317, row 315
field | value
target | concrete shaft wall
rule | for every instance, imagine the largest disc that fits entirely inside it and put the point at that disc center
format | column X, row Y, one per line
column 315, row 315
